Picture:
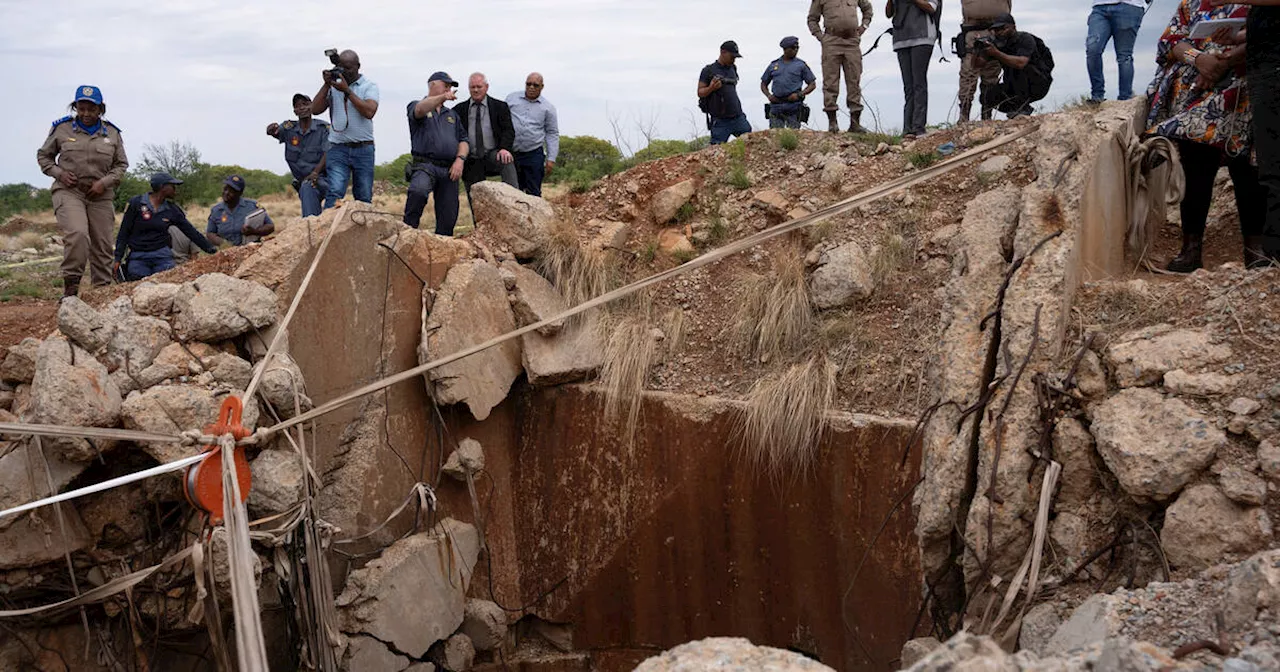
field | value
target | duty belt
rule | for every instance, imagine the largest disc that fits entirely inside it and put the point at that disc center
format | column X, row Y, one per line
column 361, row 143
column 440, row 163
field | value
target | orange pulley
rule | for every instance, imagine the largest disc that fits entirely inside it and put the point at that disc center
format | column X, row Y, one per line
column 202, row 483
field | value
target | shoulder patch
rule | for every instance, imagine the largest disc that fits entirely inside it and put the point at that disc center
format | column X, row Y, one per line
column 288, row 124
column 107, row 123
column 64, row 120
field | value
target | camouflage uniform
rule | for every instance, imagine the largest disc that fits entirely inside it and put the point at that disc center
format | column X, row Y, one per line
column 840, row 33
column 975, row 16
column 86, row 222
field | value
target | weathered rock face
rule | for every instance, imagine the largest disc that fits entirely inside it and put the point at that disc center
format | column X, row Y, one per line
column 1153, row 444
column 1038, row 627
column 485, row 623
column 414, row 594
column 154, row 298
column 366, row 654
column 457, row 654
column 175, row 360
column 20, row 362
column 1203, row 527
column 1198, row 384
column 470, row 308
column 25, row 540
column 674, row 242
column 70, row 387
column 216, row 307
column 519, row 221
column 534, row 299
column 135, row 343
column 1253, row 587
column 1095, row 620
column 667, row 203
column 966, row 651
column 842, row 278
column 277, row 482
column 1242, row 487
column 1143, row 357
column 281, row 383
column 728, row 653
column 173, row 409
column 574, row 354
column 83, row 325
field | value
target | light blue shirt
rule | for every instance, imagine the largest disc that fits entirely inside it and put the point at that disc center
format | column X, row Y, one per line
column 536, row 124
column 346, row 124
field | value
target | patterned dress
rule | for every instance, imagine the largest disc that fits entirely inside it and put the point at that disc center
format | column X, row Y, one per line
column 1220, row 116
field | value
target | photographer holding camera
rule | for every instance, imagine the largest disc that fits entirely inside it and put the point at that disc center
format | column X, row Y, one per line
column 1026, row 63
column 353, row 100
column 718, row 96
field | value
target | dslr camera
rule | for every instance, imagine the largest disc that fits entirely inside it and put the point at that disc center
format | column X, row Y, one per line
column 727, row 81
column 336, row 73
column 981, row 44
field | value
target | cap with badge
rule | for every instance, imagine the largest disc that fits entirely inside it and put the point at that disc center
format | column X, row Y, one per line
column 90, row 93
column 731, row 47
column 301, row 97
column 1003, row 20
column 789, row 42
column 160, row 179
column 235, row 182
column 441, row 76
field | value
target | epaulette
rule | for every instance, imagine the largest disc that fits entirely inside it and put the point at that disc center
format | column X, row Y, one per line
column 118, row 129
column 60, row 122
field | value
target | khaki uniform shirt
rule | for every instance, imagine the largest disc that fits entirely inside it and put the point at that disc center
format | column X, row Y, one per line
column 983, row 11
column 839, row 17
column 90, row 157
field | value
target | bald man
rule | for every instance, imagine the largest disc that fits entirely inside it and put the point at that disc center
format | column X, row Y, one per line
column 537, row 129
column 353, row 100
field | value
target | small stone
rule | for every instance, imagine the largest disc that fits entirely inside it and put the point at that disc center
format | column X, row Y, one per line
column 1243, row 487
column 468, row 458
column 1269, row 459
column 1198, row 384
column 772, row 199
column 994, row 165
column 1244, row 406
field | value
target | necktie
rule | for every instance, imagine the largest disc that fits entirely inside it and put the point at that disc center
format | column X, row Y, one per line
column 479, row 150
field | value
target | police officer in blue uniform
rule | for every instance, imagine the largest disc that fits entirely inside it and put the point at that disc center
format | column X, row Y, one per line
column 305, row 141
column 439, row 145
column 227, row 219
column 785, row 83
column 144, row 231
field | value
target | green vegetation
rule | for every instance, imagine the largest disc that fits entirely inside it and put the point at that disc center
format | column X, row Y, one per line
column 29, row 282
column 686, row 212
column 737, row 177
column 202, row 182
column 788, row 139
column 923, row 159
column 16, row 198
column 874, row 139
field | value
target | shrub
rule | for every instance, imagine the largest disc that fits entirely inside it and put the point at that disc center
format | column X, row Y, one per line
column 788, row 139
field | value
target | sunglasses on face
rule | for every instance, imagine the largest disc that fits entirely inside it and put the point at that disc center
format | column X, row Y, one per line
column 531, row 85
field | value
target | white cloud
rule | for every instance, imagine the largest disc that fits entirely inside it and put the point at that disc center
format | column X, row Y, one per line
column 215, row 75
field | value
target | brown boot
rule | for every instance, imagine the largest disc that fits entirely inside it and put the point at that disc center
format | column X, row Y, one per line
column 855, row 123
column 70, row 287
column 832, row 124
column 1188, row 259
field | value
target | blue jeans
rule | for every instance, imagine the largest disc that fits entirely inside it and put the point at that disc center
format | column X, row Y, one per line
column 311, row 196
column 142, row 264
column 1119, row 22
column 349, row 164
column 531, row 169
column 432, row 180
column 723, row 129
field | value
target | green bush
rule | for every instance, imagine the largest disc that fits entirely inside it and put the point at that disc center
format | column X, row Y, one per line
column 584, row 158
column 788, row 139
column 923, row 159
column 16, row 198
column 393, row 171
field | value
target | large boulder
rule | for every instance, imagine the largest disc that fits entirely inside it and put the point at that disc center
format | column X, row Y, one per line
column 216, row 307
column 173, row 409
column 82, row 324
column 470, row 308
column 519, row 221
column 277, row 482
column 414, row 594
column 728, row 653
column 574, row 354
column 1204, row 527
column 20, row 362
column 135, row 343
column 281, row 383
column 485, row 623
column 25, row 540
column 70, row 387
column 1144, row 356
column 534, row 299
column 1153, row 444
column 665, row 204
column 154, row 298
column 175, row 360
column 842, row 278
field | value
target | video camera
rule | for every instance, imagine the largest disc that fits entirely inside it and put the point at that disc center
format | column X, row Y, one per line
column 336, row 73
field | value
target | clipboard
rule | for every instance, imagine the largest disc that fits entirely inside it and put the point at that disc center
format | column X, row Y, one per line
column 255, row 219
column 1205, row 29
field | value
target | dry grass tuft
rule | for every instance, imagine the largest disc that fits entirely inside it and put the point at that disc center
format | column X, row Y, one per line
column 579, row 273
column 891, row 255
column 629, row 353
column 675, row 329
column 23, row 240
column 775, row 315
column 785, row 418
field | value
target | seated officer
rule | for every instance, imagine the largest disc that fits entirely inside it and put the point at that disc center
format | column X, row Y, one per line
column 782, row 83
column 144, row 230
column 227, row 219
column 1027, row 68
column 439, row 144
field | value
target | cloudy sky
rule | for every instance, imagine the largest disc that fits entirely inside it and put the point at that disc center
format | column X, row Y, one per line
column 216, row 74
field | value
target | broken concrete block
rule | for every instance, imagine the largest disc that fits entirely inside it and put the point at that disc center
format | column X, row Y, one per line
column 135, row 343
column 1153, row 444
column 1144, row 356
column 83, row 325
column 485, row 623
column 366, row 654
column 20, row 363
column 470, row 308
column 534, row 299
column 1198, row 384
column 1252, row 587
column 521, row 222
column 458, row 653
column 467, row 459
column 70, row 387
column 1242, row 487
column 414, row 594
column 1203, row 527
column 666, row 204
column 729, row 653
column 154, row 298
column 842, row 278
column 277, row 482
column 281, row 382
column 1096, row 619
column 173, row 409
column 1038, row 626
column 216, row 307
column 576, row 353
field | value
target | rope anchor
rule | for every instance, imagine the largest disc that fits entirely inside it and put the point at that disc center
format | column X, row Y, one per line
column 202, row 483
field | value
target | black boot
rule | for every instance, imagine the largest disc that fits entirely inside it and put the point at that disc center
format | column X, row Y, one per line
column 70, row 287
column 855, row 123
column 1254, row 256
column 832, row 124
column 1188, row 259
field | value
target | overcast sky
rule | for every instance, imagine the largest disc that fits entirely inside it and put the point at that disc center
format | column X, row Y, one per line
column 216, row 74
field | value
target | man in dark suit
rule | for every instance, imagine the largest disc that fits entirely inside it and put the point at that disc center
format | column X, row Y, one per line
column 490, row 134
